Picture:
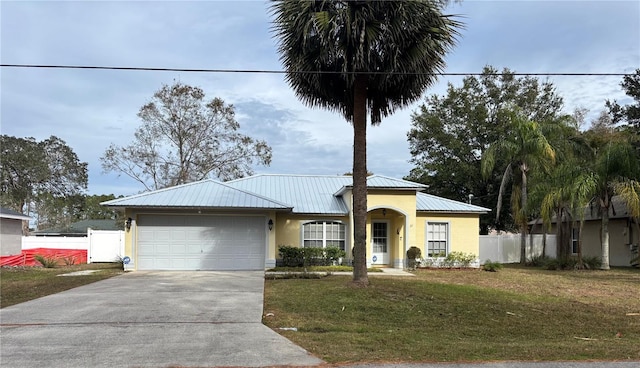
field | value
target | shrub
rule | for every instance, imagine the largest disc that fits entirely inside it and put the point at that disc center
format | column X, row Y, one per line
column 491, row 266
column 46, row 261
column 458, row 259
column 591, row 263
column 334, row 254
column 69, row 261
column 565, row 263
column 537, row 261
column 304, row 257
column 291, row 256
column 412, row 254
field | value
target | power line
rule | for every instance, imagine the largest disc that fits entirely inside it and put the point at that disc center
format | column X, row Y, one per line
column 265, row 71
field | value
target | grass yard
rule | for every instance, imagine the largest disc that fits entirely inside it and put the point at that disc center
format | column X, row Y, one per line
column 454, row 315
column 21, row 284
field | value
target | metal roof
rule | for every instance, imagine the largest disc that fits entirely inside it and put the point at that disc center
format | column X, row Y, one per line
column 201, row 194
column 11, row 214
column 313, row 194
column 308, row 194
column 430, row 203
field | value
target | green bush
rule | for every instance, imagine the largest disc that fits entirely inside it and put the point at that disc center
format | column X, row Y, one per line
column 565, row 263
column 413, row 253
column 537, row 261
column 458, row 259
column 491, row 266
column 334, row 254
column 46, row 261
column 311, row 256
column 591, row 263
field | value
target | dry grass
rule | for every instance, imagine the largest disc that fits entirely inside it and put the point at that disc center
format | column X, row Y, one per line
column 453, row 315
column 21, row 284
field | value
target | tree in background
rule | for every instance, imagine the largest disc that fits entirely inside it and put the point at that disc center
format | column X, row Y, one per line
column 33, row 173
column 362, row 58
column 525, row 148
column 184, row 138
column 450, row 133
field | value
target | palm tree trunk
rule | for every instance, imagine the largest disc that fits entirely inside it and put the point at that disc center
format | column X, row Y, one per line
column 360, row 276
column 523, row 219
column 605, row 239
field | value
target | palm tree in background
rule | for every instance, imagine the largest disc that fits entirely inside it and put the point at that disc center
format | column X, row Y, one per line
column 525, row 148
column 362, row 58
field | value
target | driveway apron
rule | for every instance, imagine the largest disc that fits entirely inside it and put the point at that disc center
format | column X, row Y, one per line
column 149, row 319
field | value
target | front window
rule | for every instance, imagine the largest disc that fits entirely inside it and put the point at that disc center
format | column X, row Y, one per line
column 322, row 234
column 437, row 239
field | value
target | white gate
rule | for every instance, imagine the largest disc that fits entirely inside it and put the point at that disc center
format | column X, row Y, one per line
column 105, row 245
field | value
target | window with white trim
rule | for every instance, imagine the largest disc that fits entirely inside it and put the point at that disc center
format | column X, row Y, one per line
column 437, row 239
column 322, row 234
column 575, row 233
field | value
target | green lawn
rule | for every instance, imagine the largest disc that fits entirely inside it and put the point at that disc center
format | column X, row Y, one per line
column 462, row 315
column 21, row 284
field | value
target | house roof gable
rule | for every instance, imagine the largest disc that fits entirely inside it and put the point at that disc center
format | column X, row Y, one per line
column 11, row 214
column 430, row 203
column 202, row 194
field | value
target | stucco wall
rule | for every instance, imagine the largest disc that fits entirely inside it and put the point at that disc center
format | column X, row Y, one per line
column 10, row 237
column 463, row 231
column 619, row 252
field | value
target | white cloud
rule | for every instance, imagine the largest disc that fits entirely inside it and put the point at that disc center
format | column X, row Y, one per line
column 89, row 109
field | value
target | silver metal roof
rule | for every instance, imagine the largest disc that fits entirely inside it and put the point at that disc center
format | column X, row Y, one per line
column 305, row 193
column 430, row 203
column 11, row 214
column 308, row 194
column 201, row 194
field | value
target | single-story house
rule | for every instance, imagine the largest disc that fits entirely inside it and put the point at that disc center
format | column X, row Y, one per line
column 623, row 234
column 209, row 225
column 11, row 231
column 80, row 228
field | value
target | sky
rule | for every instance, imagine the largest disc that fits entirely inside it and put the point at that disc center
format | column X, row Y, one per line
column 90, row 109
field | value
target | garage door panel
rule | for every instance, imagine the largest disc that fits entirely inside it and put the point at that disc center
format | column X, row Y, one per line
column 201, row 242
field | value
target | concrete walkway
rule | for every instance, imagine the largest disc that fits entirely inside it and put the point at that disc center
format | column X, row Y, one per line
column 149, row 319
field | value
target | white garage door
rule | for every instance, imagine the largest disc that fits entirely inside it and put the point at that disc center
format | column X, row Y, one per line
column 199, row 242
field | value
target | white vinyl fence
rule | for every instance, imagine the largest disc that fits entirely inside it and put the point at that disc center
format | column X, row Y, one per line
column 506, row 248
column 101, row 245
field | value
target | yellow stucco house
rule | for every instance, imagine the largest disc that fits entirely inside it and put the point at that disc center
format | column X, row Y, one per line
column 239, row 225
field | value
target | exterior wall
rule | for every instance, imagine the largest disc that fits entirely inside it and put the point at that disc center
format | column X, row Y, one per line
column 10, row 237
column 620, row 236
column 463, row 231
column 288, row 229
column 622, row 233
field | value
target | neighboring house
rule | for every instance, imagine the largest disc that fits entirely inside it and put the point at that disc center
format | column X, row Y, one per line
column 80, row 228
column 623, row 234
column 11, row 231
column 240, row 224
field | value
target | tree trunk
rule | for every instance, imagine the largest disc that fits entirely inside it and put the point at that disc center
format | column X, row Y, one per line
column 360, row 276
column 523, row 220
column 605, row 239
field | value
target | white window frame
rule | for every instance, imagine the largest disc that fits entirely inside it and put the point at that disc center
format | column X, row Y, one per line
column 447, row 237
column 575, row 236
column 324, row 238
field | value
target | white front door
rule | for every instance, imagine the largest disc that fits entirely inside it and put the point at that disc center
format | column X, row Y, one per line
column 380, row 243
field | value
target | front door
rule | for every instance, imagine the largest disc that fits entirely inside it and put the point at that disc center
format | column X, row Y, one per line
column 380, row 243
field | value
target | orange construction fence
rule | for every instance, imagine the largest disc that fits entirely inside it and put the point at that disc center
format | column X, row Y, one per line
column 64, row 256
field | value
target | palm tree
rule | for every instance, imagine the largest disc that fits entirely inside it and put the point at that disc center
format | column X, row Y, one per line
column 616, row 172
column 524, row 148
column 362, row 58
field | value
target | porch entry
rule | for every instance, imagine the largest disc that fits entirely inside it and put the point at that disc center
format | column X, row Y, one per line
column 380, row 243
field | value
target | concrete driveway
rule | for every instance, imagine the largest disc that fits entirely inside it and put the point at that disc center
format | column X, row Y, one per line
column 149, row 319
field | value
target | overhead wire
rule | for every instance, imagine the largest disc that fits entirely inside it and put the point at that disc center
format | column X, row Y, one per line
column 273, row 71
